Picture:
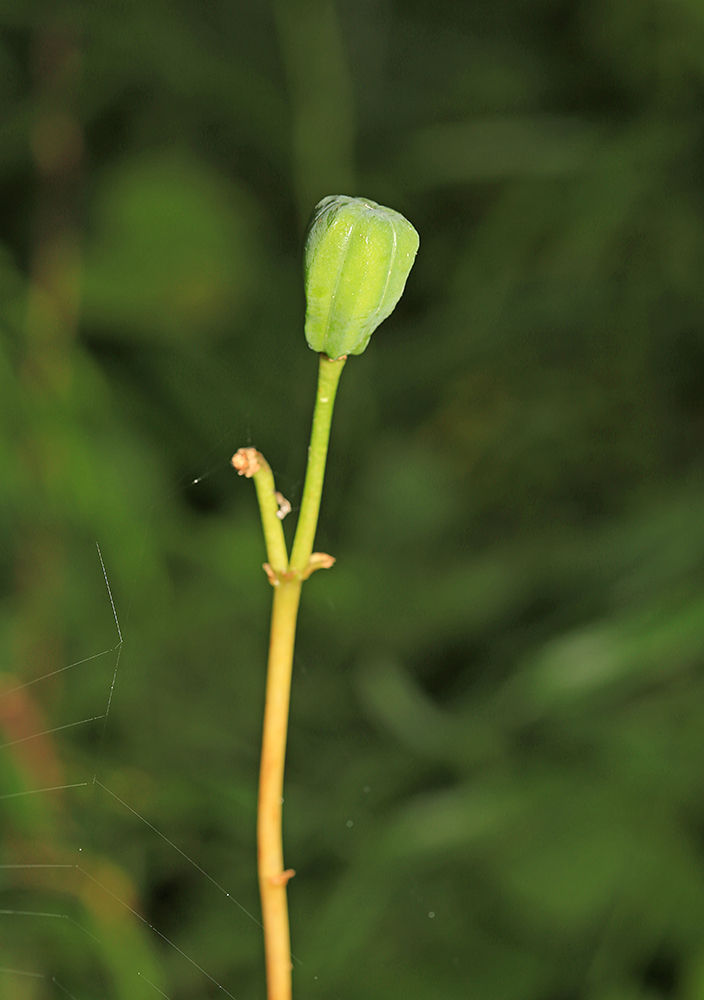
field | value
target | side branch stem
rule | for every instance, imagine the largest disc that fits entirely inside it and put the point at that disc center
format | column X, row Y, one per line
column 271, row 522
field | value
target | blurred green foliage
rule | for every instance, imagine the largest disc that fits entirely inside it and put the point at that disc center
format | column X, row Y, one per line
column 495, row 781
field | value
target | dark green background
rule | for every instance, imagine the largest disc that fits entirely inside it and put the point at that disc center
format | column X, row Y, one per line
column 495, row 779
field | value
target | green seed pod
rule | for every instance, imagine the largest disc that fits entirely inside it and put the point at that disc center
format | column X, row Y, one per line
column 358, row 256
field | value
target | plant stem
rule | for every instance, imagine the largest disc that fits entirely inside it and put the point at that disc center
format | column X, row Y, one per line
column 328, row 378
column 271, row 522
column 272, row 879
column 287, row 584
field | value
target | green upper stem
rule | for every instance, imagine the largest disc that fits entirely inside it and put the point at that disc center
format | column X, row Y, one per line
column 328, row 378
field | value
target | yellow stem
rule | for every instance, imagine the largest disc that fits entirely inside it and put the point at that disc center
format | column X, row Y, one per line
column 272, row 877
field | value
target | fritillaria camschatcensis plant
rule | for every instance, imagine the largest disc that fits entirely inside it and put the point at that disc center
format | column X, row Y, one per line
column 358, row 256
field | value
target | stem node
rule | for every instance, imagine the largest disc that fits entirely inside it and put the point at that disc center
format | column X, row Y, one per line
column 283, row 878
